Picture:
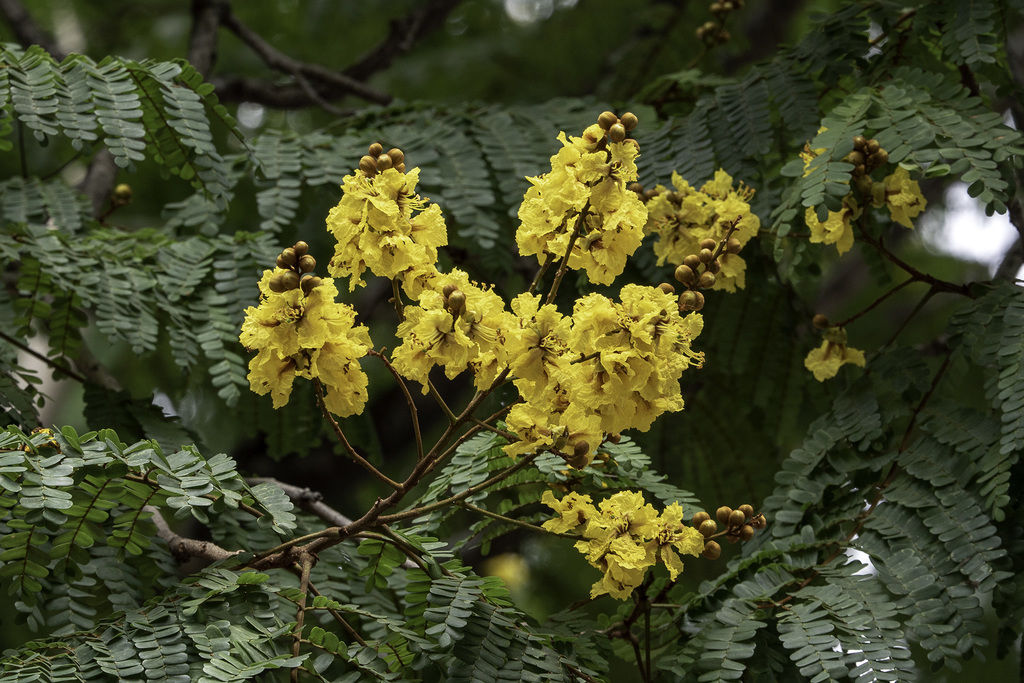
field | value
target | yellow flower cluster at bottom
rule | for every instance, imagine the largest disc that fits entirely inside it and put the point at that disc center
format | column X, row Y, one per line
column 623, row 536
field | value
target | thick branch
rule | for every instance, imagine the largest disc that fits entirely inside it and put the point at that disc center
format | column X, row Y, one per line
column 316, row 74
column 202, row 42
column 404, row 32
column 186, row 548
column 307, row 499
column 26, row 30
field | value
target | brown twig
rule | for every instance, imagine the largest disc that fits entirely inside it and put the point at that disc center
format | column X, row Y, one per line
column 340, row 619
column 413, row 413
column 344, row 441
column 875, row 303
column 563, row 266
column 42, row 357
column 202, row 40
column 300, row 616
column 186, row 548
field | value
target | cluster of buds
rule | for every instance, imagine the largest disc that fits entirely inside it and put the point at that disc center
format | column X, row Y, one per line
column 298, row 268
column 867, row 155
column 376, row 160
column 697, row 271
column 617, row 127
column 713, row 32
column 454, row 300
column 740, row 525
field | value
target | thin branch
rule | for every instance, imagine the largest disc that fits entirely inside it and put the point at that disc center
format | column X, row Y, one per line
column 906, row 321
column 502, row 518
column 202, row 41
column 413, row 413
column 279, row 61
column 300, row 617
column 560, row 273
column 540, row 273
column 440, row 403
column 186, row 548
column 936, row 283
column 340, row 619
column 60, row 367
column 876, row 302
column 344, row 441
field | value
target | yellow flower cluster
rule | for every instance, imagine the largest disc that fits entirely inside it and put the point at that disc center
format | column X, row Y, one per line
column 611, row 366
column 584, row 200
column 457, row 325
column 306, row 335
column 623, row 536
column 833, row 353
column 683, row 218
column 381, row 224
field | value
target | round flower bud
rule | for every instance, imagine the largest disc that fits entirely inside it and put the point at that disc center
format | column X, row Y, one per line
column 733, row 246
column 879, row 158
column 277, row 284
column 301, row 248
column 376, row 149
column 707, row 280
column 685, row 275
column 855, row 158
column 289, row 280
column 384, row 162
column 860, row 170
column 712, row 551
column 692, row 261
column 281, row 262
column 860, row 142
column 607, row 119
column 705, row 255
column 650, row 194
column 397, row 155
column 614, row 438
column 400, row 167
column 456, row 302
column 737, row 518
column 617, row 132
column 747, row 532
column 699, row 517
column 688, row 301
column 367, row 165
column 306, row 283
column 708, row 243
column 714, row 266
column 629, row 120
column 722, row 514
column 872, row 146
column 759, row 522
column 636, row 187
column 447, row 290
column 288, row 256
column 307, row 264
column 578, row 459
column 667, row 288
column 747, row 510
column 819, row 321
column 122, row 194
column 698, row 302
column 707, row 528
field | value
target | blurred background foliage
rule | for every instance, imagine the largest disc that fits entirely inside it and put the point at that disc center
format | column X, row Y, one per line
column 475, row 92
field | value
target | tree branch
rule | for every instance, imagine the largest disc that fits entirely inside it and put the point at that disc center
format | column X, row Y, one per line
column 202, row 41
column 307, row 499
column 26, row 30
column 314, row 73
column 186, row 548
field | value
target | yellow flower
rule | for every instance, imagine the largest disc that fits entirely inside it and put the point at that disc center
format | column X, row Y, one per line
column 574, row 510
column 310, row 336
column 673, row 536
column 833, row 353
column 903, row 197
column 382, row 224
column 837, row 229
column 584, row 194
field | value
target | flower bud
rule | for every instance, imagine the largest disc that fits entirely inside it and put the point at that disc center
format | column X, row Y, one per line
column 289, row 257
column 447, row 290
column 737, row 518
column 698, row 302
column 281, row 263
column 712, row 551
column 629, row 120
column 692, row 261
column 685, row 275
column 819, row 321
column 714, row 266
column 122, row 194
column 688, row 301
column 733, row 246
column 722, row 514
column 307, row 264
column 650, row 194
column 376, row 149
column 384, row 162
column 707, row 528
column 397, row 155
column 759, row 522
column 699, row 517
column 860, row 142
column 707, row 280
column 872, row 146
column 456, row 303
column 705, row 255
column 636, row 187
column 306, row 283
column 708, row 243
column 747, row 532
column 617, row 133
column 879, row 158
column 400, row 167
column 276, row 283
column 747, row 510
column 667, row 288
column 607, row 119
column 289, row 280
column 367, row 165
